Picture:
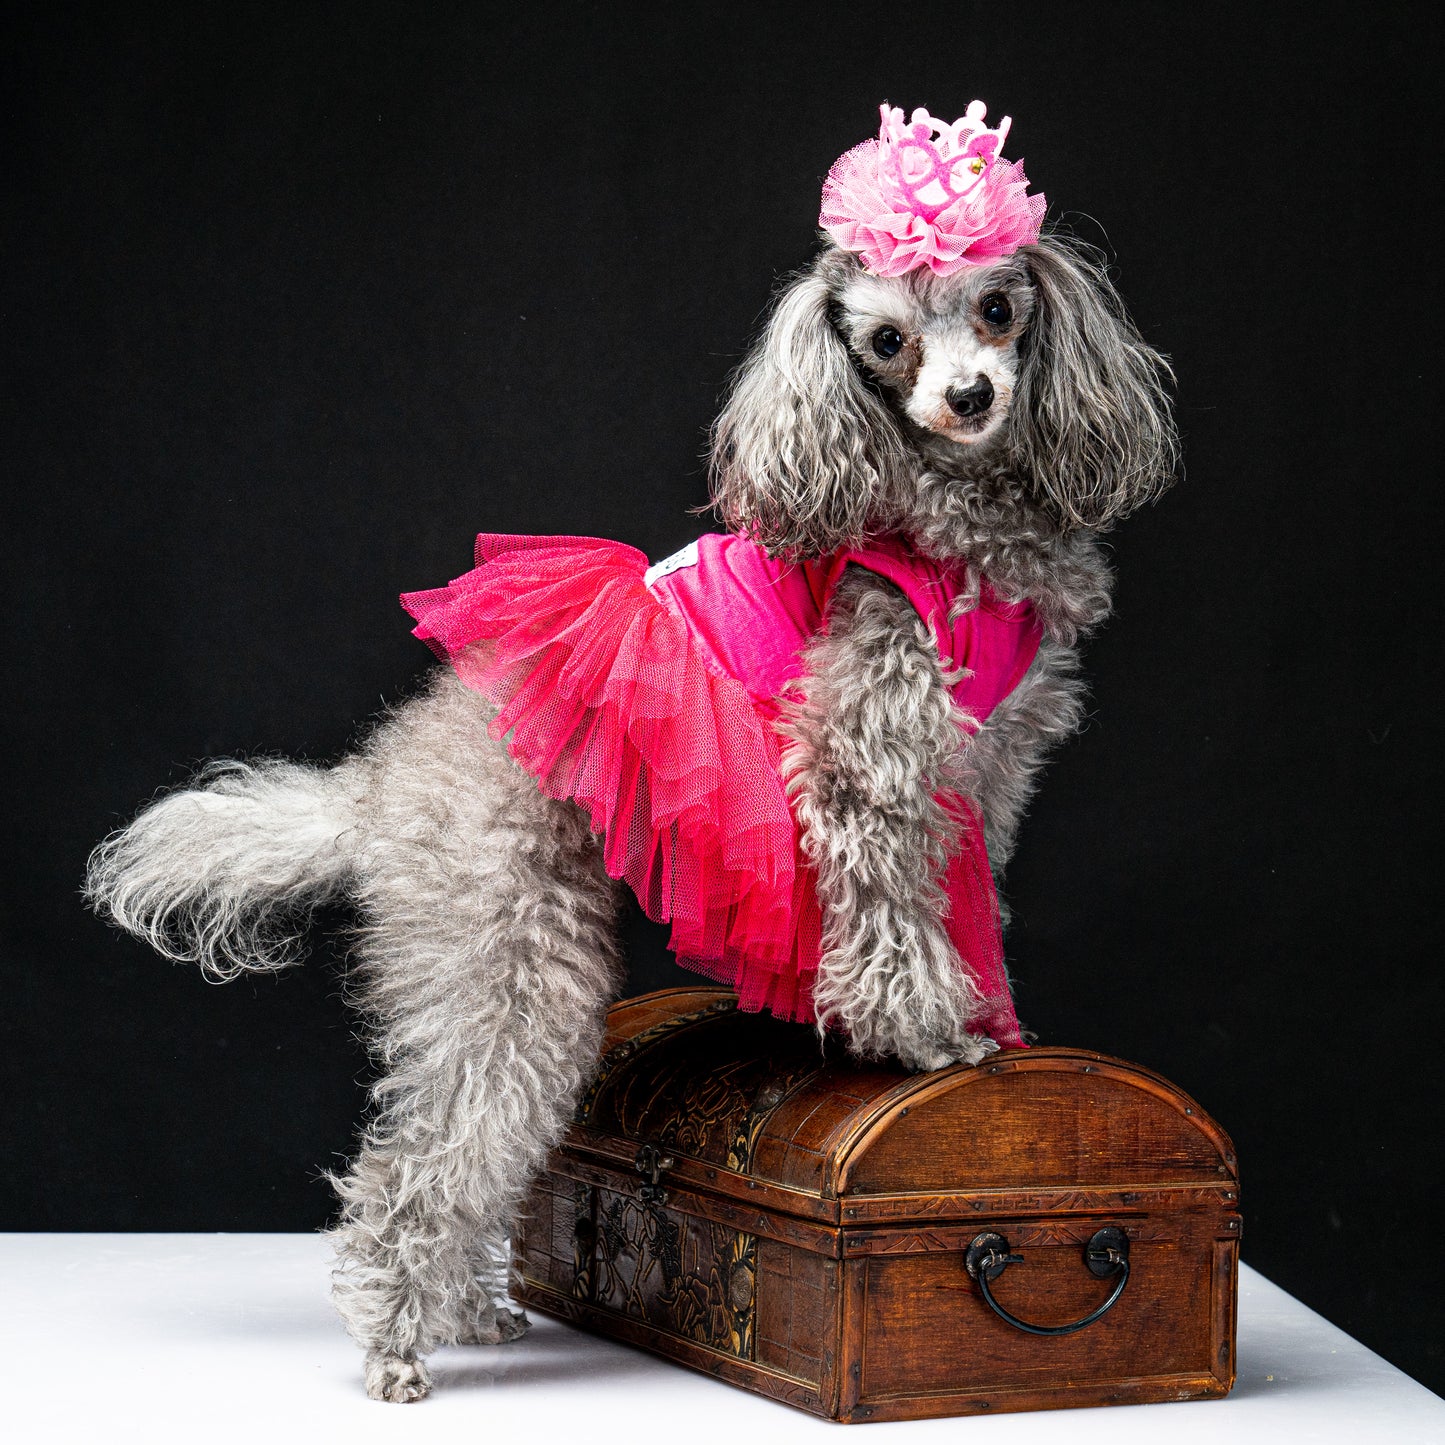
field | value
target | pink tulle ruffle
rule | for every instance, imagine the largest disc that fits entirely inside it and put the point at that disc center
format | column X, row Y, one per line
column 603, row 698
column 604, row 701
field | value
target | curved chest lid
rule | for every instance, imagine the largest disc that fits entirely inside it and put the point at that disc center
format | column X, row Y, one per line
column 685, row 1070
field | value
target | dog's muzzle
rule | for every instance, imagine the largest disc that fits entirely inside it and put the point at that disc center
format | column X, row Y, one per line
column 972, row 400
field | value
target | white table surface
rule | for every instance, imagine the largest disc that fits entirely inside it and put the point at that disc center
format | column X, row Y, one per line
column 229, row 1337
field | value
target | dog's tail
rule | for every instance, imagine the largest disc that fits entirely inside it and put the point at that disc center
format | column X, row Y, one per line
column 226, row 872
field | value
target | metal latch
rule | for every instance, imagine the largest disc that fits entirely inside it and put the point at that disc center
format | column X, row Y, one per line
column 651, row 1163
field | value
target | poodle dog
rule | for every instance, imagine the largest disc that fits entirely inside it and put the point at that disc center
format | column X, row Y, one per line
column 998, row 416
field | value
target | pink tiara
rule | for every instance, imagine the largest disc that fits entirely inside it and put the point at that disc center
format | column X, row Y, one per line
column 930, row 194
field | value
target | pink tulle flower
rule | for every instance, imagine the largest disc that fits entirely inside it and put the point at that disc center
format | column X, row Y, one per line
column 930, row 194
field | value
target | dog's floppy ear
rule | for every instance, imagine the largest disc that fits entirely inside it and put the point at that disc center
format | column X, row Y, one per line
column 804, row 455
column 1092, row 426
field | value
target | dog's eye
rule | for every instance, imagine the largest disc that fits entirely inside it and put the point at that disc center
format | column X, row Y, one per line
column 887, row 341
column 995, row 310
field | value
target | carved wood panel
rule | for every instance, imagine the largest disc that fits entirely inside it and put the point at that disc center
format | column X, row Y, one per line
column 690, row 1276
column 703, row 1085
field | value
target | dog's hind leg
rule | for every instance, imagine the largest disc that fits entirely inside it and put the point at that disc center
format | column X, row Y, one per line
column 486, row 1319
column 487, row 963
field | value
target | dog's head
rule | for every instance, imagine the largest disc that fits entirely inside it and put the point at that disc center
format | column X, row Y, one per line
column 1028, row 368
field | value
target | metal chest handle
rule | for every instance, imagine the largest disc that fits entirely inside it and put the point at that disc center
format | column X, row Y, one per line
column 1105, row 1254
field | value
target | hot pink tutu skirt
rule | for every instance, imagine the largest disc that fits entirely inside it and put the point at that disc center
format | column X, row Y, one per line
column 605, row 700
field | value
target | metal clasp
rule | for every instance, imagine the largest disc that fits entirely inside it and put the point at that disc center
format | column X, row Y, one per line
column 651, row 1162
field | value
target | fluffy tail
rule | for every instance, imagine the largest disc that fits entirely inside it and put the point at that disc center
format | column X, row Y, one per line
column 227, row 872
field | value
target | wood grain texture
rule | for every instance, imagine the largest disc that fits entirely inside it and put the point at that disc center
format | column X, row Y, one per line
column 1046, row 1118
column 807, row 1239
column 796, row 1308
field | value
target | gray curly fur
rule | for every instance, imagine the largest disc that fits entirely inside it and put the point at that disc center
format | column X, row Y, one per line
column 226, row 872
column 485, row 953
column 871, row 743
column 805, row 456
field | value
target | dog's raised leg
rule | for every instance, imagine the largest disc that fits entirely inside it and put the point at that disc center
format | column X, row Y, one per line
column 487, row 966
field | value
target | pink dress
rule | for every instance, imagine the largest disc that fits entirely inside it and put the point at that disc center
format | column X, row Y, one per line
column 647, row 696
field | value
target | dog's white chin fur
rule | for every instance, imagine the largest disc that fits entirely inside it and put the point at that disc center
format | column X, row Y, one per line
column 968, row 438
column 960, row 436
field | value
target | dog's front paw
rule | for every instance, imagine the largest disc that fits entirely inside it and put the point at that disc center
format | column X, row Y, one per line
column 494, row 1325
column 395, row 1379
column 924, row 1058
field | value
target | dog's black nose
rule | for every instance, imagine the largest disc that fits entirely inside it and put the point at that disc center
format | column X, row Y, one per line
column 971, row 400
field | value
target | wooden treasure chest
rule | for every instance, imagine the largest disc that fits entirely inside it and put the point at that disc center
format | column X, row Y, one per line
column 1049, row 1228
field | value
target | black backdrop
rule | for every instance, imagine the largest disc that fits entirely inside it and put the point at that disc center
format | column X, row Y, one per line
column 293, row 306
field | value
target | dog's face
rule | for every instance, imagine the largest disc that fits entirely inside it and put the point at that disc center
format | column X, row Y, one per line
column 1027, row 370
column 945, row 350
